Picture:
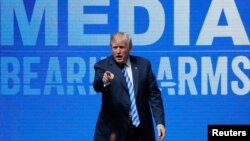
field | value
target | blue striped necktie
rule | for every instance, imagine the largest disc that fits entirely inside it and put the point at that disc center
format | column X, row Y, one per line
column 133, row 109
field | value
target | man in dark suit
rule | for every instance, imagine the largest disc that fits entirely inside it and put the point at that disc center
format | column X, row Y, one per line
column 129, row 94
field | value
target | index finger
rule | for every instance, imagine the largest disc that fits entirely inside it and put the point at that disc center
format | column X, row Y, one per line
column 108, row 73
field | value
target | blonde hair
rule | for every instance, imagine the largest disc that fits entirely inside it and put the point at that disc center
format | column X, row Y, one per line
column 122, row 37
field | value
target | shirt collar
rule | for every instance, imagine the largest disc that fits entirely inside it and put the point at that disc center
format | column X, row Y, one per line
column 128, row 63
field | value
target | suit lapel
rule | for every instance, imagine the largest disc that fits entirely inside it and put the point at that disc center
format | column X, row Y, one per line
column 118, row 73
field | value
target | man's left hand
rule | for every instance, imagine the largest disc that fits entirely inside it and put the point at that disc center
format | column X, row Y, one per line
column 161, row 131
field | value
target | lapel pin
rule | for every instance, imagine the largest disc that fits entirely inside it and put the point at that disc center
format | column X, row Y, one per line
column 136, row 68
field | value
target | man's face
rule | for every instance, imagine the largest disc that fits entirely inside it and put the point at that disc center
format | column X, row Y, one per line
column 120, row 51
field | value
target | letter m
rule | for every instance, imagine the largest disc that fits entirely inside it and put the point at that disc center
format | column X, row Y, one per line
column 29, row 29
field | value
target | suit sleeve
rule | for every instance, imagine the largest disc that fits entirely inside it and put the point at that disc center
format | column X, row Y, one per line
column 155, row 98
column 98, row 83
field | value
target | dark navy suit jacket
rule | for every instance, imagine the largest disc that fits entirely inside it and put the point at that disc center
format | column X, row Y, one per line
column 114, row 113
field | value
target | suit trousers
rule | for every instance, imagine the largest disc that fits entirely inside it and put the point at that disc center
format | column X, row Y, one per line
column 133, row 133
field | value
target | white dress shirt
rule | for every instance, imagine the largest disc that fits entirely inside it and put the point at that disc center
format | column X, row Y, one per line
column 129, row 70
